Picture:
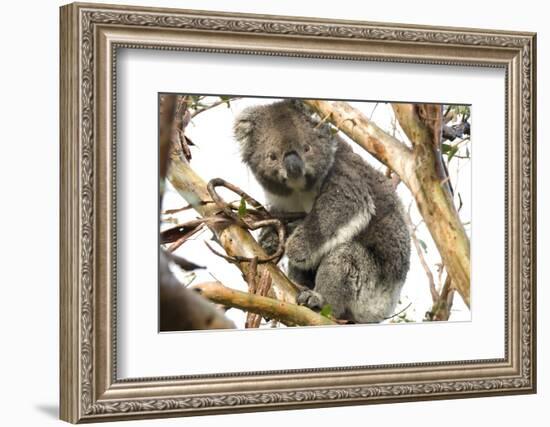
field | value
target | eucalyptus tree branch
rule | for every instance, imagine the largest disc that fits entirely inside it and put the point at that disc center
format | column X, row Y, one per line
column 422, row 125
column 236, row 241
column 441, row 309
column 287, row 313
column 183, row 310
column 180, row 309
column 214, row 105
column 384, row 147
column 422, row 258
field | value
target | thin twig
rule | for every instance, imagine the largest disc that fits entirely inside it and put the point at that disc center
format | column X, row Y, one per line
column 441, row 309
column 373, row 110
column 183, row 239
column 184, row 208
column 259, row 219
column 213, row 105
column 399, row 312
column 175, row 233
column 232, row 260
column 429, row 274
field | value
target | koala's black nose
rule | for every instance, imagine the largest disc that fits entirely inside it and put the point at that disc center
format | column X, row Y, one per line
column 293, row 164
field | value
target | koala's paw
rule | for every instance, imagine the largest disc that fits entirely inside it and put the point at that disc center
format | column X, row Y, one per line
column 269, row 240
column 297, row 251
column 311, row 299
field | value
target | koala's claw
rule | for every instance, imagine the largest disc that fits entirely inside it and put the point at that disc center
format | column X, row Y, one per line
column 311, row 299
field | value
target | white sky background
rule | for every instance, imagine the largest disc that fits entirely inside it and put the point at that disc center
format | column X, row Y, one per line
column 216, row 154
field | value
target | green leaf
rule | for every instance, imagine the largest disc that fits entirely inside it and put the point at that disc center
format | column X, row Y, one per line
column 326, row 311
column 464, row 110
column 424, row 245
column 451, row 154
column 195, row 101
column 460, row 109
column 242, row 208
column 449, row 150
column 227, row 100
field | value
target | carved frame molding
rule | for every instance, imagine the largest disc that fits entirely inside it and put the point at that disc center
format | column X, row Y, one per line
column 90, row 36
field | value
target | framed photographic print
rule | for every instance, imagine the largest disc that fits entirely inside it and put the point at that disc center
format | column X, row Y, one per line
column 266, row 212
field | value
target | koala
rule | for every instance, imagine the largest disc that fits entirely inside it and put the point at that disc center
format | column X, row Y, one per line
column 352, row 249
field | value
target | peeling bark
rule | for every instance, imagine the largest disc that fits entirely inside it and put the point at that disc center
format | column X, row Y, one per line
column 422, row 124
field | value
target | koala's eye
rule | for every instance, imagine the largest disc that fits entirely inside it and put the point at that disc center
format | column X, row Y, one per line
column 273, row 156
column 307, row 148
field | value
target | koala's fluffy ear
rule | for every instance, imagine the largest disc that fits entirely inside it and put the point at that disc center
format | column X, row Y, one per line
column 243, row 130
column 322, row 126
column 244, row 125
column 299, row 106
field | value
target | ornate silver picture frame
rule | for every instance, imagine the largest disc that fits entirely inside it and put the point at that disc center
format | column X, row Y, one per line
column 91, row 37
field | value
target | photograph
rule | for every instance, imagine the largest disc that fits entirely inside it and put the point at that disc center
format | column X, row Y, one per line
column 264, row 212
column 289, row 212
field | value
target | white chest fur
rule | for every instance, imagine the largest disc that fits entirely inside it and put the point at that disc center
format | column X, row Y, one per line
column 298, row 201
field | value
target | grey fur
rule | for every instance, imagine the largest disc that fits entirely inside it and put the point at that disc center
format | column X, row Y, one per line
column 352, row 250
